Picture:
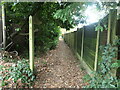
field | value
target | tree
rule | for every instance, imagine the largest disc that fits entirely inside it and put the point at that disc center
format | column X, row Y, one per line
column 17, row 24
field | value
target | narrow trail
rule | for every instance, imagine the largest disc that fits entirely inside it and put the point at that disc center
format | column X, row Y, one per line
column 59, row 69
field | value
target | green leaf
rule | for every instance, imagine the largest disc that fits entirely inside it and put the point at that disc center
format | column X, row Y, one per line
column 115, row 65
column 99, row 27
column 17, row 29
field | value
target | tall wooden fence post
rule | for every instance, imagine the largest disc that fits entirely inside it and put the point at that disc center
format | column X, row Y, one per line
column 31, row 43
column 76, row 42
column 0, row 31
column 82, row 46
column 3, row 27
column 112, row 25
column 97, row 48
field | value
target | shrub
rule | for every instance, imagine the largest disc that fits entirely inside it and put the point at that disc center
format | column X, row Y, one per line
column 104, row 77
column 47, row 38
column 18, row 73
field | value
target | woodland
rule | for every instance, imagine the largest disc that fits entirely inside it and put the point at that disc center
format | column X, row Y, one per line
column 55, row 64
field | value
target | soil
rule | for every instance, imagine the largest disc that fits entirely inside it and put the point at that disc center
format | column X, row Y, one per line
column 59, row 68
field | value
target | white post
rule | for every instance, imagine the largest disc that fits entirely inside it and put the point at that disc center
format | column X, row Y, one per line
column 31, row 44
column 97, row 48
column 3, row 26
column 82, row 46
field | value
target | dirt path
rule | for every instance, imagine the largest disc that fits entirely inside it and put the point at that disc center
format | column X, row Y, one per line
column 59, row 69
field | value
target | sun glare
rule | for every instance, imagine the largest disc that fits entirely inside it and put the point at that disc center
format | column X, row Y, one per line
column 93, row 15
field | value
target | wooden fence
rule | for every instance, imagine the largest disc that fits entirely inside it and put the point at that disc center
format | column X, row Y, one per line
column 86, row 42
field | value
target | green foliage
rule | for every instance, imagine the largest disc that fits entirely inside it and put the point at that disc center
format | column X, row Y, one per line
column 109, row 5
column 116, row 64
column 2, row 2
column 8, row 59
column 19, row 73
column 108, row 57
column 17, row 29
column 68, row 13
column 17, row 12
column 100, row 81
column 104, row 77
column 99, row 27
column 74, row 13
column 17, row 21
column 47, row 39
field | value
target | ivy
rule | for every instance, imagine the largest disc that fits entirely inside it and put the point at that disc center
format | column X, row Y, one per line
column 104, row 77
column 99, row 27
column 18, row 73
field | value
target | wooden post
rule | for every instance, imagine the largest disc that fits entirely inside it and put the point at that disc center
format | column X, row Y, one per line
column 0, row 27
column 112, row 25
column 0, row 32
column 97, row 48
column 31, row 44
column 70, row 39
column 3, row 27
column 75, row 42
column 82, row 46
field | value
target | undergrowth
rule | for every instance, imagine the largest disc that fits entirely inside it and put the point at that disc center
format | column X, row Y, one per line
column 19, row 74
column 105, row 77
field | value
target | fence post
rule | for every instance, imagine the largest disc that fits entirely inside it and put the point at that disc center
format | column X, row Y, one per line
column 97, row 48
column 75, row 42
column 31, row 44
column 112, row 25
column 112, row 22
column 3, row 27
column 70, row 39
column 0, row 32
column 82, row 46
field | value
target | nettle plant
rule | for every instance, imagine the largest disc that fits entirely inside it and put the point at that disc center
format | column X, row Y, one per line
column 104, row 77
